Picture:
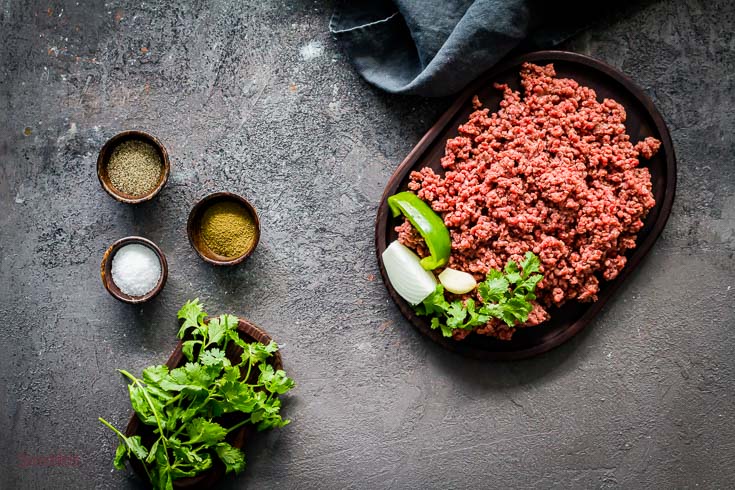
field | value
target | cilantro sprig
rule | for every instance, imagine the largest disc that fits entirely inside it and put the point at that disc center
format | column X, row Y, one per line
column 182, row 405
column 505, row 295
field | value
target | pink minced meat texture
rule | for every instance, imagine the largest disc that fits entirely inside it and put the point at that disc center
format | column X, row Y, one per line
column 553, row 172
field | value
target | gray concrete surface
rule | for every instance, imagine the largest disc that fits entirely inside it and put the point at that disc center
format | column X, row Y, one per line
column 255, row 98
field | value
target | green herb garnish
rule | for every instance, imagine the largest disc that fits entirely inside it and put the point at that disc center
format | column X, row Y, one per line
column 506, row 295
column 183, row 404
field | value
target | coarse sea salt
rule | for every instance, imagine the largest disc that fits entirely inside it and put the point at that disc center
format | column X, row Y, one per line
column 135, row 269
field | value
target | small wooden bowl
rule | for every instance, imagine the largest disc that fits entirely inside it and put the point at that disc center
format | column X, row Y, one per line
column 106, row 270
column 248, row 332
column 104, row 158
column 194, row 228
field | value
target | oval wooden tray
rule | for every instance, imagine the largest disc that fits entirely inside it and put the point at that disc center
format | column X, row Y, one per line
column 643, row 120
column 250, row 333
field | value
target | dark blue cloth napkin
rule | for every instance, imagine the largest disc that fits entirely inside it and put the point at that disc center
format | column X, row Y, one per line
column 436, row 47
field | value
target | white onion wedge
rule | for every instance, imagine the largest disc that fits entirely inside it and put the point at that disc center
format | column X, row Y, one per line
column 457, row 282
column 411, row 281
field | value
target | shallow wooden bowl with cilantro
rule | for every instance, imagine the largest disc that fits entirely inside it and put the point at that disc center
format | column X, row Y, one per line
column 263, row 373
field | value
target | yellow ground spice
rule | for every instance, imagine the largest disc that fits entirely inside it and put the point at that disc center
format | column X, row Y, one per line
column 228, row 229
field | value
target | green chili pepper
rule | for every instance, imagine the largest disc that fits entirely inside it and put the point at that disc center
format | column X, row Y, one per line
column 429, row 224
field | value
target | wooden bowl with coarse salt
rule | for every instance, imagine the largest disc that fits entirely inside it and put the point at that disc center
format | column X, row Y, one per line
column 204, row 241
column 136, row 174
column 108, row 274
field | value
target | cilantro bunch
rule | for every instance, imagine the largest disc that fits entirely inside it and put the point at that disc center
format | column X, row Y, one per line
column 182, row 405
column 504, row 295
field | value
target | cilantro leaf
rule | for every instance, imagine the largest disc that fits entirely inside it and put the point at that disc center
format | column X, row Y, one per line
column 436, row 303
column 193, row 315
column 153, row 375
column 530, row 265
column 136, row 448
column 494, row 288
column 198, row 374
column 232, row 457
column 529, row 284
column 163, row 478
column 456, row 314
column 187, row 348
column 121, row 453
column 152, row 453
column 491, row 310
column 507, row 316
column 232, row 374
column 229, row 322
column 173, row 414
column 476, row 318
column 140, row 404
column 511, row 272
column 217, row 330
column 237, row 397
column 446, row 330
column 203, row 430
column 519, row 308
column 179, row 380
column 257, row 352
column 274, row 381
column 214, row 357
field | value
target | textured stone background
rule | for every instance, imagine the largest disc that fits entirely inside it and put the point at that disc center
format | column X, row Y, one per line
column 254, row 97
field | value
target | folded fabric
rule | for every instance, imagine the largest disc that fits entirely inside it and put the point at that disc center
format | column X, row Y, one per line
column 436, row 47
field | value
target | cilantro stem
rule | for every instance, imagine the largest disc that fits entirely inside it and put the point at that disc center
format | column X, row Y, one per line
column 153, row 409
column 238, row 425
column 127, row 445
column 112, row 427
column 176, row 399
column 250, row 365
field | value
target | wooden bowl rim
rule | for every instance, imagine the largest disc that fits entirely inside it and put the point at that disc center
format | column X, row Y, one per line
column 106, row 150
column 194, row 221
column 253, row 333
column 106, row 270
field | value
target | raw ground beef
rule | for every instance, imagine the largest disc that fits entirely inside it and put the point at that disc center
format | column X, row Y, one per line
column 554, row 172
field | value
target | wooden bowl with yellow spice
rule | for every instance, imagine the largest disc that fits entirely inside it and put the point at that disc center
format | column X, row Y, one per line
column 223, row 228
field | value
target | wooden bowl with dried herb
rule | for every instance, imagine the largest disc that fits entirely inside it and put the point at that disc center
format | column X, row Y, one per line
column 133, row 166
column 223, row 228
